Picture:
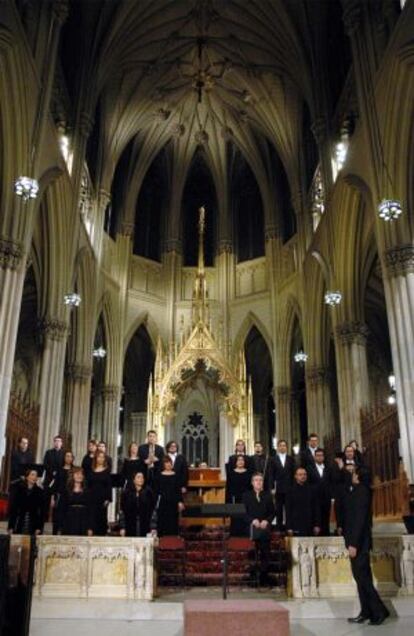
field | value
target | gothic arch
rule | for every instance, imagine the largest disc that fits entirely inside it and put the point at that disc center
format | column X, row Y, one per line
column 144, row 318
column 249, row 321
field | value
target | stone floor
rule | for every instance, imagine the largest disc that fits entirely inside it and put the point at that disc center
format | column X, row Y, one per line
column 164, row 617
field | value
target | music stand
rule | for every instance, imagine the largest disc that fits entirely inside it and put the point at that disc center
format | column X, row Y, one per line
column 223, row 511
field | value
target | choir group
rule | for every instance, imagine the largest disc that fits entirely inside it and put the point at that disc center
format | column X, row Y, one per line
column 153, row 481
column 297, row 491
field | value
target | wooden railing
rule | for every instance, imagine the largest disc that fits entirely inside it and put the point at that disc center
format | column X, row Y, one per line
column 22, row 421
column 380, row 434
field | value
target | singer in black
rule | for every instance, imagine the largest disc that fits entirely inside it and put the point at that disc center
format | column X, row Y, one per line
column 169, row 499
column 59, row 485
column 76, row 516
column 260, row 512
column 137, row 505
column 100, row 488
column 151, row 455
column 132, row 465
column 238, row 482
column 26, row 512
column 358, row 540
column 20, row 457
column 261, row 463
column 302, row 512
column 179, row 463
column 283, row 469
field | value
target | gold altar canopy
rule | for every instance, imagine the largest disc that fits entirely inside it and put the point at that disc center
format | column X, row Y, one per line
column 201, row 354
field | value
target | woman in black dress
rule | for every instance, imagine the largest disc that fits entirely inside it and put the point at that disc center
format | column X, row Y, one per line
column 169, row 499
column 132, row 465
column 75, row 509
column 100, row 491
column 137, row 505
column 27, row 504
column 238, row 482
column 239, row 450
column 59, row 487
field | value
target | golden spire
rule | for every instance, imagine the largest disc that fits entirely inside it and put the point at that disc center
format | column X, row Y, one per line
column 200, row 294
column 201, row 226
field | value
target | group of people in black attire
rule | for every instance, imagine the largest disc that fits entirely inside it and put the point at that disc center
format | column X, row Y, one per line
column 304, row 488
column 152, row 481
column 297, row 491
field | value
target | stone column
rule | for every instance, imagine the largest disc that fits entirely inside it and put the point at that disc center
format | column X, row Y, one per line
column 54, row 332
column 226, row 440
column 360, row 32
column 352, row 373
column 78, row 393
column 110, row 424
column 283, row 408
column 12, row 273
column 225, row 263
column 138, row 423
column 318, row 400
column 399, row 292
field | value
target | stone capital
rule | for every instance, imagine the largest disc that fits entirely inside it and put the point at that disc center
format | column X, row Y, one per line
column 351, row 16
column 79, row 372
column 317, row 376
column 110, row 392
column 173, row 245
column 60, row 10
column 271, row 232
column 399, row 261
column 127, row 228
column 85, row 124
column 11, row 253
column 320, row 129
column 283, row 393
column 225, row 246
column 53, row 329
column 355, row 332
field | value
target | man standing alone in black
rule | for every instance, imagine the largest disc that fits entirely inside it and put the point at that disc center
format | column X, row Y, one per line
column 358, row 540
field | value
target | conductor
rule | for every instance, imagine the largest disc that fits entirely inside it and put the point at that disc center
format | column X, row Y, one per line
column 358, row 540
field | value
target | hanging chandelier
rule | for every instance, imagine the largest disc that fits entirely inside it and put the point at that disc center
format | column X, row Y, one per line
column 73, row 299
column 333, row 298
column 300, row 357
column 26, row 188
column 389, row 209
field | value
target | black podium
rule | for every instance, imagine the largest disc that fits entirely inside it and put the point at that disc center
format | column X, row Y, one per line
column 218, row 511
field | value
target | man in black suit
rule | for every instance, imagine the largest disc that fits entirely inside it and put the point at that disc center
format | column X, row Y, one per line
column 20, row 457
column 283, row 469
column 261, row 463
column 180, row 466
column 320, row 477
column 302, row 513
column 358, row 540
column 53, row 460
column 260, row 512
column 151, row 454
column 307, row 457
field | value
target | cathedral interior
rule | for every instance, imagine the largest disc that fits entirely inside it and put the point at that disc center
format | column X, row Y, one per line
column 207, row 227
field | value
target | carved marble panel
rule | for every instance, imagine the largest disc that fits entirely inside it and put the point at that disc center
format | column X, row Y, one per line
column 95, row 567
column 321, row 569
